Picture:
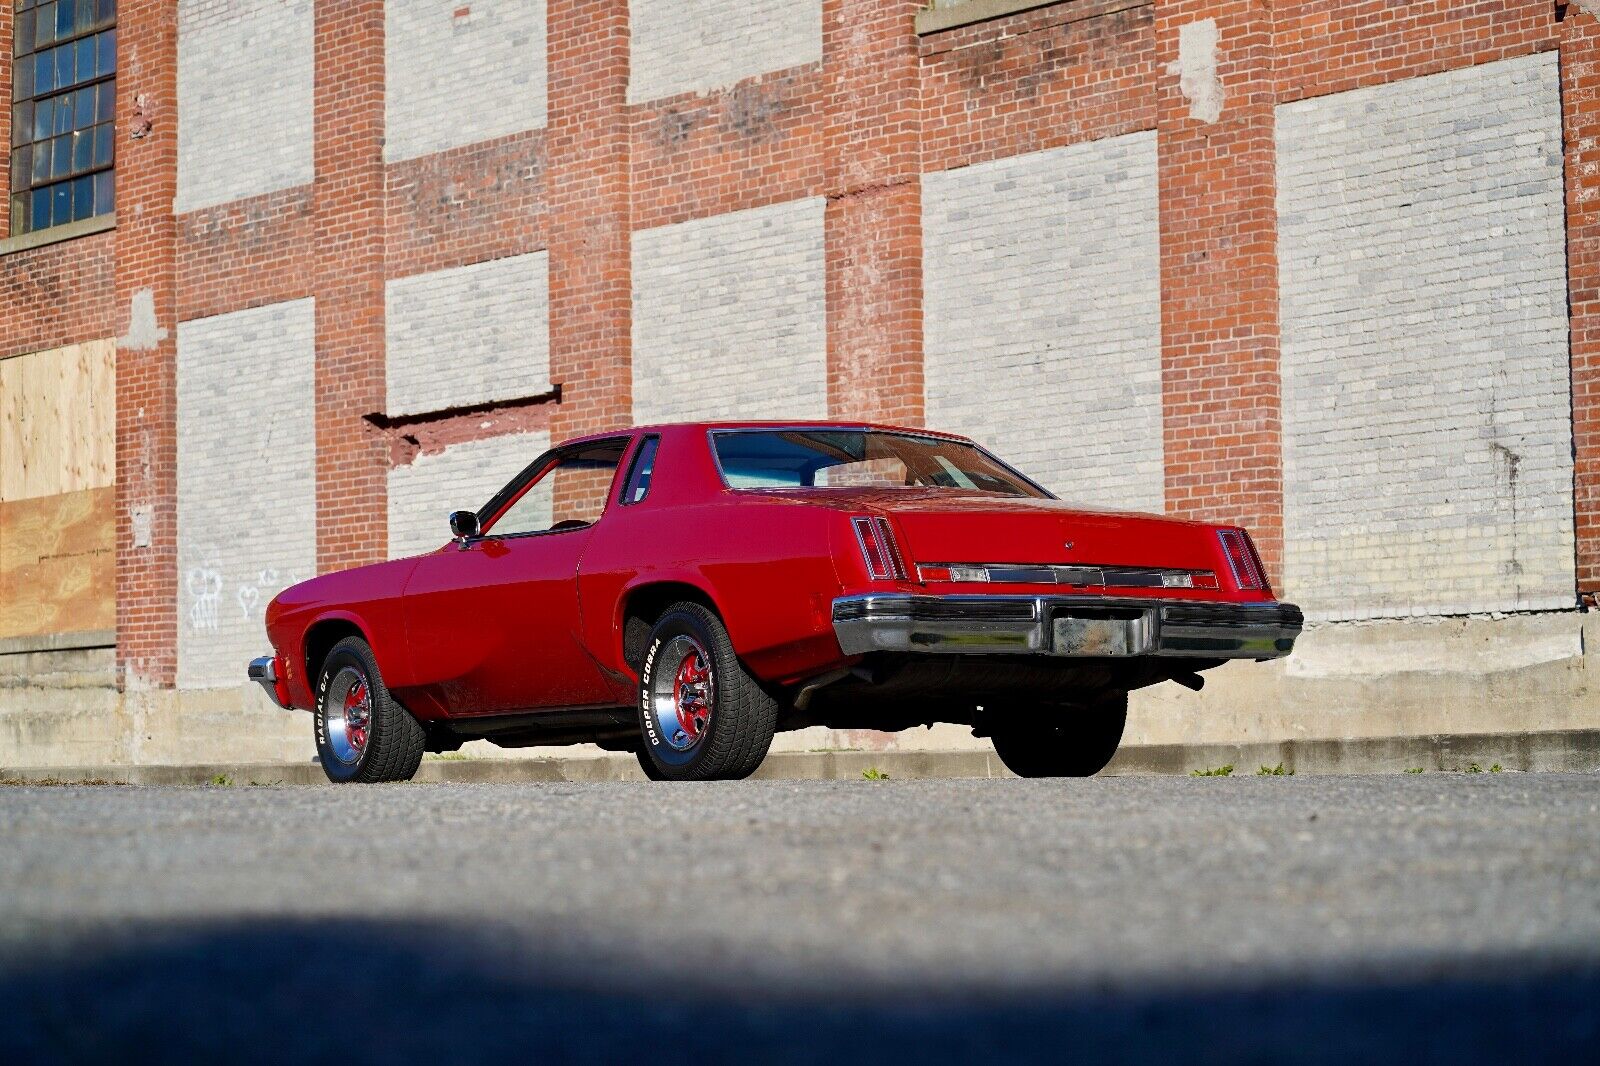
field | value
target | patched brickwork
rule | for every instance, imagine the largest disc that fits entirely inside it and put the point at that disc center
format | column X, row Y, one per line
column 247, row 520
column 468, row 335
column 461, row 72
column 1044, row 316
column 1428, row 433
column 462, row 477
column 713, row 44
column 244, row 82
column 728, row 317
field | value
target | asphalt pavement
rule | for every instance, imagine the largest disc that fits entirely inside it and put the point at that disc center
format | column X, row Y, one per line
column 1431, row 917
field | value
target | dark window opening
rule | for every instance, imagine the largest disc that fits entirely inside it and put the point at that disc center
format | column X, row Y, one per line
column 64, row 92
column 644, row 464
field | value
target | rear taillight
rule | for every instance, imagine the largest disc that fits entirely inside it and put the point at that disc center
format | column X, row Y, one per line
column 1248, row 573
column 879, row 550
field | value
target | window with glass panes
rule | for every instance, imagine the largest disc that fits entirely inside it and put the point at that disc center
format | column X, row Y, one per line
column 64, row 89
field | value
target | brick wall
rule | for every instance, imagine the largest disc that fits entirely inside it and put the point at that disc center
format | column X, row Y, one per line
column 244, row 86
column 460, row 73
column 728, row 316
column 1044, row 315
column 247, row 518
column 468, row 335
column 772, row 208
column 1427, row 422
column 713, row 44
column 459, row 477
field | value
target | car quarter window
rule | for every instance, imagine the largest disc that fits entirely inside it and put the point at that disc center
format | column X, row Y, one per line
column 569, row 493
column 644, row 463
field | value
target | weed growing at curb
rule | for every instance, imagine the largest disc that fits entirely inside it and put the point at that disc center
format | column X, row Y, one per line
column 1219, row 771
column 220, row 780
column 872, row 773
column 1274, row 771
column 1414, row 770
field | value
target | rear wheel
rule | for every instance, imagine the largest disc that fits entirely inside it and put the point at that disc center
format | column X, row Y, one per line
column 362, row 733
column 702, row 717
column 1053, row 741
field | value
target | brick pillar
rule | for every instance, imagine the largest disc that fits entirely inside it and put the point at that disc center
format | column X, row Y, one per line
column 1222, row 423
column 146, row 290
column 874, row 210
column 587, row 193
column 348, row 192
column 1580, row 95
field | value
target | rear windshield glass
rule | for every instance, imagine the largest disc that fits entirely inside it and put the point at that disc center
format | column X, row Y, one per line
column 831, row 459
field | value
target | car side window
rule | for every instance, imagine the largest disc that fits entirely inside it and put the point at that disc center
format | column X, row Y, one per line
column 644, row 463
column 569, row 494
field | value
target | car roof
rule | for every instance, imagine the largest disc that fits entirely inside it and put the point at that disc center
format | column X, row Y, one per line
column 791, row 423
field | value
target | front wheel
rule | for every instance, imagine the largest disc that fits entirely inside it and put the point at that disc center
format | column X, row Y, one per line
column 362, row 733
column 702, row 717
column 1052, row 741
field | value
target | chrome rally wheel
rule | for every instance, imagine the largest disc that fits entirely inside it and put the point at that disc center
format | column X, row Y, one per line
column 702, row 716
column 682, row 696
column 363, row 734
column 349, row 715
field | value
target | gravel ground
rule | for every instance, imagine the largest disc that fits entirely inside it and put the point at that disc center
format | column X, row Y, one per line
column 1434, row 917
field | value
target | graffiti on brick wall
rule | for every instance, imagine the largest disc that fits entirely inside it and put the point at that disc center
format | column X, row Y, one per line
column 204, row 586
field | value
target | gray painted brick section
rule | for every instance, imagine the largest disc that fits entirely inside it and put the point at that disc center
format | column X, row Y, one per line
column 1043, row 315
column 244, row 90
column 714, row 44
column 468, row 335
column 460, row 79
column 1427, row 416
column 463, row 477
column 246, row 481
column 729, row 316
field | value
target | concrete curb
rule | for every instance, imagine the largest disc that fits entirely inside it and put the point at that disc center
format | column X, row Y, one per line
column 1565, row 750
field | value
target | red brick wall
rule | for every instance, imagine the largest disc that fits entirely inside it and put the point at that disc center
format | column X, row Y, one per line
column 873, row 222
column 1040, row 79
column 1580, row 93
column 146, row 237
column 1219, row 280
column 883, row 107
column 591, row 270
column 348, row 194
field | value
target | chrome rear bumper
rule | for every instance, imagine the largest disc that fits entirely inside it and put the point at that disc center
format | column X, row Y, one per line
column 264, row 672
column 1073, row 626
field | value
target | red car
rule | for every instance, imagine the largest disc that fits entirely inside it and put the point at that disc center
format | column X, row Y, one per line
column 685, row 591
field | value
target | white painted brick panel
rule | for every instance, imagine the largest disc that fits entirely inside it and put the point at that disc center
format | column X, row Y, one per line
column 455, row 79
column 468, row 335
column 729, row 316
column 1427, row 417
column 714, row 44
column 461, row 478
column 246, row 481
column 1042, row 316
column 245, row 97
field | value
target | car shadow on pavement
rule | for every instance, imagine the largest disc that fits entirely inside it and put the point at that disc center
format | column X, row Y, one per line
column 377, row 992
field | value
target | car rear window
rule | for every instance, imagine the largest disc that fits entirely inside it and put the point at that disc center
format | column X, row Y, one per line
column 838, row 459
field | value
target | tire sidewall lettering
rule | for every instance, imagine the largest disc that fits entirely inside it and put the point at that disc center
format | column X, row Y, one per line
column 646, row 714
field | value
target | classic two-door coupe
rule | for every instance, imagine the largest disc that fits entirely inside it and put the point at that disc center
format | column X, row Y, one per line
column 685, row 591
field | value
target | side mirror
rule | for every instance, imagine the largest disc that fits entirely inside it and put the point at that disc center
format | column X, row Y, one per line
column 463, row 524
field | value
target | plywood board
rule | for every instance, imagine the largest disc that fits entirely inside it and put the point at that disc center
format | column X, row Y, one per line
column 58, row 564
column 58, row 421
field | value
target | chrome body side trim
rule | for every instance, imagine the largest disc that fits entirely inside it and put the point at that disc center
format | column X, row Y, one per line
column 1070, row 626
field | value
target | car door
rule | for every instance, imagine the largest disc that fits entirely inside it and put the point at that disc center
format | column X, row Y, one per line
column 493, row 620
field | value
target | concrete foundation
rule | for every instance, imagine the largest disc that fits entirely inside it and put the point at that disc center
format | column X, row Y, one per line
column 1349, row 681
